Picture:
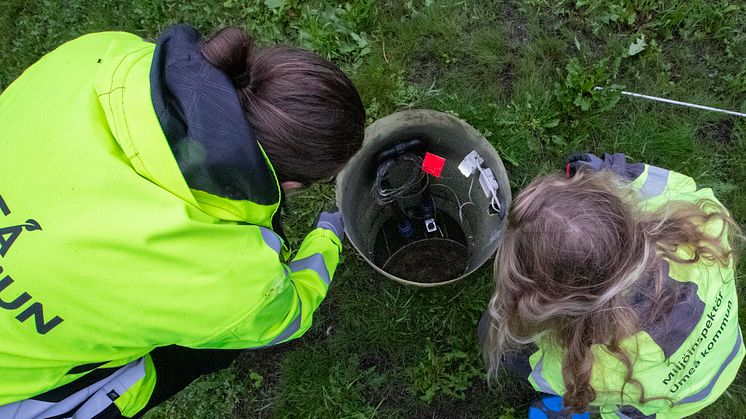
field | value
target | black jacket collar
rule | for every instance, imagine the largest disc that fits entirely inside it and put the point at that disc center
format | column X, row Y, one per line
column 202, row 119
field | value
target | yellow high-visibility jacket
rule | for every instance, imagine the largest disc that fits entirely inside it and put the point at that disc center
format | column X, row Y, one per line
column 685, row 361
column 136, row 212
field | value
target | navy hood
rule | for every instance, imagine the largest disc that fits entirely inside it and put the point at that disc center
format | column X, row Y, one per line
column 202, row 119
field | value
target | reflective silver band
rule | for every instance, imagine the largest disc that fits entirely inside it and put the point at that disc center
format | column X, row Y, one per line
column 702, row 394
column 271, row 239
column 316, row 263
column 538, row 377
column 92, row 399
column 292, row 327
column 655, row 182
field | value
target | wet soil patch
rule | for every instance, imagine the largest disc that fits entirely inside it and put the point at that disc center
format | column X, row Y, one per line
column 428, row 65
column 518, row 36
column 718, row 132
column 506, row 79
column 429, row 261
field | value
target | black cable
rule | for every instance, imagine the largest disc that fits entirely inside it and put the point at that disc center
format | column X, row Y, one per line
column 412, row 187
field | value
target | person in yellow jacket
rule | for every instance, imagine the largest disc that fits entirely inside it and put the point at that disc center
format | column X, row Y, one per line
column 140, row 242
column 616, row 293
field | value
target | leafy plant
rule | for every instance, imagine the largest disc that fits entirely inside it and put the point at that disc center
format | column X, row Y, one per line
column 256, row 379
column 533, row 119
column 372, row 111
column 408, row 95
column 415, row 7
column 608, row 13
column 637, row 46
column 335, row 31
column 212, row 396
column 507, row 413
column 580, row 92
column 443, row 373
column 536, row 116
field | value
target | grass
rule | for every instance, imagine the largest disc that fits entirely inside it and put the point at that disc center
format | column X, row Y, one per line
column 522, row 72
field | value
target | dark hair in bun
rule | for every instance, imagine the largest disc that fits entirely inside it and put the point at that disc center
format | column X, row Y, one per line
column 304, row 110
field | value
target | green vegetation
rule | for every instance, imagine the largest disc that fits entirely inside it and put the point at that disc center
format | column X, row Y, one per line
column 522, row 72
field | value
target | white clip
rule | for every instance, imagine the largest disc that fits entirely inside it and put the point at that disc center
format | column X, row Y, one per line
column 488, row 182
column 472, row 163
column 430, row 225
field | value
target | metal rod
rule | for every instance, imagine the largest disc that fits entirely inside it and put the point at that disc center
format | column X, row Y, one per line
column 676, row 102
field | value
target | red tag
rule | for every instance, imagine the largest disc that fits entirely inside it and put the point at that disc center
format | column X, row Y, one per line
column 433, row 164
column 567, row 171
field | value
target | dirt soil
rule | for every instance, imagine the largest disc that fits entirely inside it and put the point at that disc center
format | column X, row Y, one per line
column 429, row 261
column 718, row 132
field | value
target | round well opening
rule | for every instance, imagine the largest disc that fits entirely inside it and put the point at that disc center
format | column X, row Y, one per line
column 424, row 229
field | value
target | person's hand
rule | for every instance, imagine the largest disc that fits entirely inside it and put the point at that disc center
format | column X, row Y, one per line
column 332, row 221
column 585, row 160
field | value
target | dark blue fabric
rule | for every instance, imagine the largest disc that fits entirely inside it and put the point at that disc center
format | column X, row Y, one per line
column 669, row 328
column 535, row 413
column 549, row 406
column 554, row 403
column 632, row 412
column 617, row 163
column 201, row 116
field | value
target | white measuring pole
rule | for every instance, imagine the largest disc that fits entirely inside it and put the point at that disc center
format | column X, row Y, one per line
column 676, row 102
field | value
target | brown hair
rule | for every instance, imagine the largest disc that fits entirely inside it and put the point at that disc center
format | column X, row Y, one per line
column 305, row 112
column 573, row 252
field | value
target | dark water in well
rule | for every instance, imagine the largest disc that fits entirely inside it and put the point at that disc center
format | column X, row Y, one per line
column 422, row 257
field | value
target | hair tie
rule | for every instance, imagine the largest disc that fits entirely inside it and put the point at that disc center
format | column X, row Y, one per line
column 242, row 80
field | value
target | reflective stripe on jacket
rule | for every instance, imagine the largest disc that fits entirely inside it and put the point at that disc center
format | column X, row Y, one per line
column 106, row 252
column 690, row 357
column 94, row 395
